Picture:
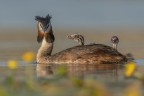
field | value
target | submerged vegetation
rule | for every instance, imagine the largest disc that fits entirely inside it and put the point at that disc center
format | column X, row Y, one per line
column 23, row 81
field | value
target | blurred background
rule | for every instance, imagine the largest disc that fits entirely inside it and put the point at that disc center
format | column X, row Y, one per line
column 97, row 20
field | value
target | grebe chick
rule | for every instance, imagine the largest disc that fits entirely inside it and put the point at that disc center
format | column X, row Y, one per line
column 86, row 54
column 77, row 37
column 115, row 41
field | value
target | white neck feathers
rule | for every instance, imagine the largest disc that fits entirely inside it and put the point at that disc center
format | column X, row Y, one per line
column 45, row 50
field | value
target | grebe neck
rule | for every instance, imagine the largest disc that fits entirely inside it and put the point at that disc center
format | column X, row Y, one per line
column 45, row 50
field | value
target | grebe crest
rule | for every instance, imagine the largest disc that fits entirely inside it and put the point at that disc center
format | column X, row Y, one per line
column 77, row 37
column 44, row 22
column 86, row 54
column 115, row 41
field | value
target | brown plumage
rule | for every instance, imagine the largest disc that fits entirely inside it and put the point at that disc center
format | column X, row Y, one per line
column 86, row 54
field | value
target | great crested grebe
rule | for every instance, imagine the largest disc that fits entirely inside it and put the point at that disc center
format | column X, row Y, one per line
column 86, row 54
column 77, row 37
column 115, row 41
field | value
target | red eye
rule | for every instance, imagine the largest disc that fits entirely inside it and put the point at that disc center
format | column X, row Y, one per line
column 41, row 25
column 47, row 26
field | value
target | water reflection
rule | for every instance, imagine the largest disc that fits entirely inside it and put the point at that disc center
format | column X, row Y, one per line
column 44, row 70
column 103, row 71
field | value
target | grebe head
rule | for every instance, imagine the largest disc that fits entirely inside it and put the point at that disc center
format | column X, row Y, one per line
column 77, row 37
column 115, row 41
column 44, row 22
column 44, row 28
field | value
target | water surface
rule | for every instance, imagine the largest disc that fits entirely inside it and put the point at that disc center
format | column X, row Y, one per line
column 110, row 75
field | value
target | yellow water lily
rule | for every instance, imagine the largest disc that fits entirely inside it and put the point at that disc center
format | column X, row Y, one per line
column 134, row 89
column 12, row 64
column 130, row 69
column 28, row 56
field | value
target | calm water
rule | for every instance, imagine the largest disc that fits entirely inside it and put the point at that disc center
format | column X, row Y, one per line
column 102, row 72
column 112, row 76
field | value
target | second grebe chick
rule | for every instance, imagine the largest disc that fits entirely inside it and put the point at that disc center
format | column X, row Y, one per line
column 115, row 41
column 77, row 37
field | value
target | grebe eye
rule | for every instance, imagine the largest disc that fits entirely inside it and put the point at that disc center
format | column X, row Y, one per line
column 47, row 26
column 41, row 25
column 68, row 36
column 76, row 36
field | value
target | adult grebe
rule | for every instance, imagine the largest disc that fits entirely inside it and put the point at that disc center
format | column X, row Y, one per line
column 115, row 41
column 77, row 37
column 86, row 54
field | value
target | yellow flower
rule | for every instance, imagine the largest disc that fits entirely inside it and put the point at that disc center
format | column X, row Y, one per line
column 130, row 69
column 12, row 64
column 134, row 89
column 28, row 56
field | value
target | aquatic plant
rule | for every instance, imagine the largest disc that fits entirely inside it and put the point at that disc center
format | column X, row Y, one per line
column 29, row 57
column 12, row 64
column 130, row 69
